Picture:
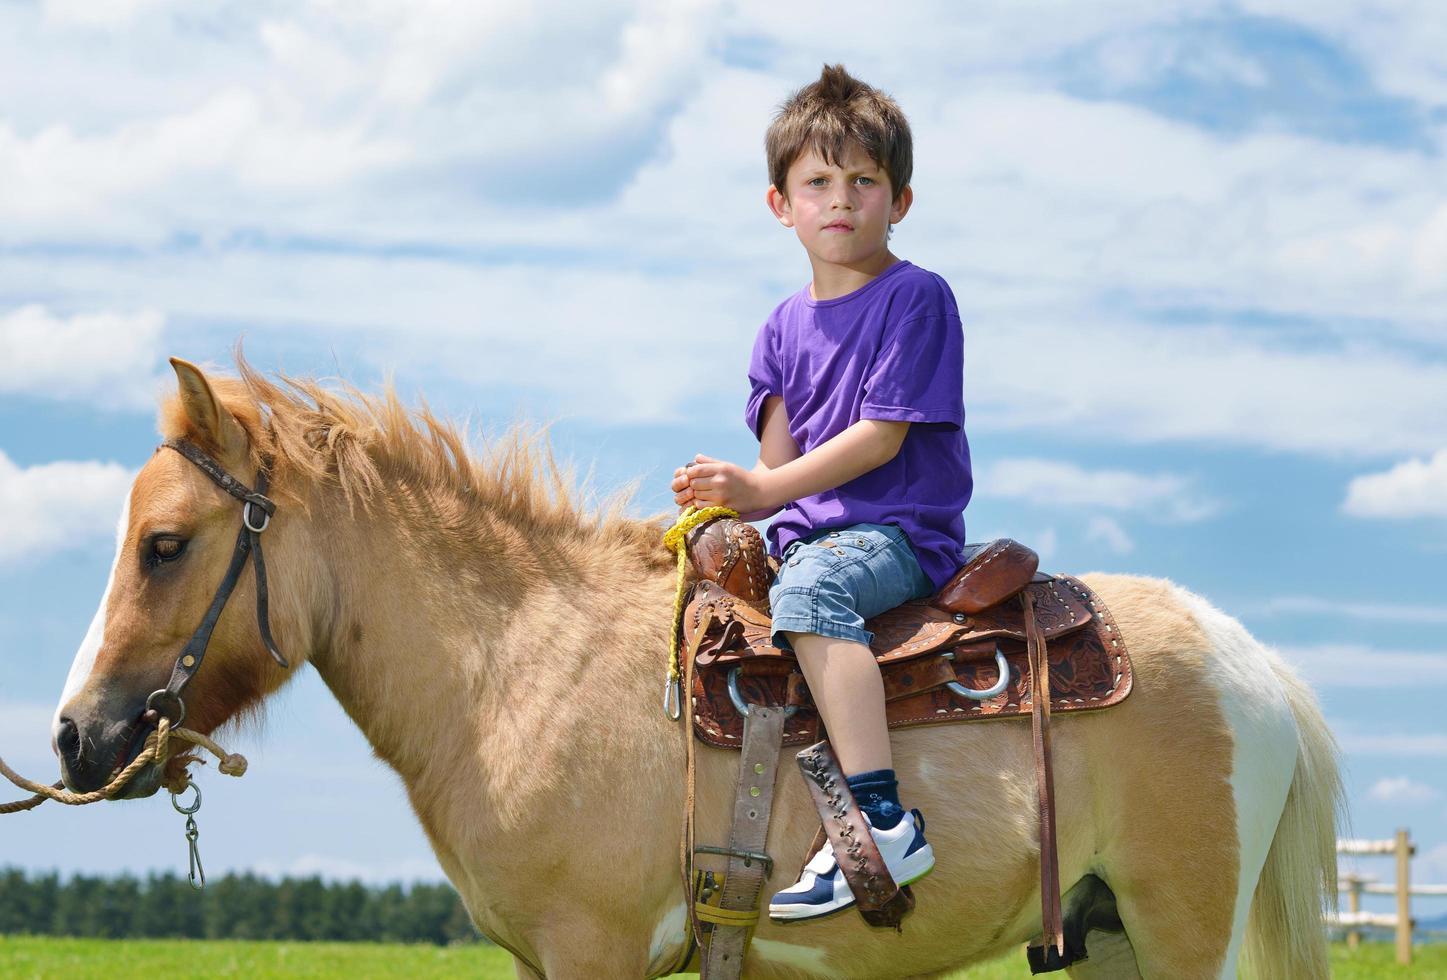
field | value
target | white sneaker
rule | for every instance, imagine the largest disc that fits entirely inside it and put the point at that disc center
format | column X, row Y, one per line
column 822, row 890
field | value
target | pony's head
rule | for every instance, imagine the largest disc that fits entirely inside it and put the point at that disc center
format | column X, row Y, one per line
column 177, row 535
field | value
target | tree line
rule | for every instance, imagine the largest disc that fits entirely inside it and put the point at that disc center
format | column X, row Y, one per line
column 232, row 907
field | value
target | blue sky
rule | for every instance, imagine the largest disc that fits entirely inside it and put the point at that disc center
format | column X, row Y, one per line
column 1200, row 251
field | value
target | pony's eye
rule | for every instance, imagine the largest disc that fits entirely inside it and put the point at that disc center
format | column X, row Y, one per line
column 166, row 549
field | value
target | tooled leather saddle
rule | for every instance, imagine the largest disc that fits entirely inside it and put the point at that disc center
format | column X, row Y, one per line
column 976, row 650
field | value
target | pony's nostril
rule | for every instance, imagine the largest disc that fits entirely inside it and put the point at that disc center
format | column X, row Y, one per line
column 67, row 739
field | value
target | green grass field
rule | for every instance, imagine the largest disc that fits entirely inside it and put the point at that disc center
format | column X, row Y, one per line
column 23, row 957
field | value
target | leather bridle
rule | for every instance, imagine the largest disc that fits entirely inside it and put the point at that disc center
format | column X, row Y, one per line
column 256, row 513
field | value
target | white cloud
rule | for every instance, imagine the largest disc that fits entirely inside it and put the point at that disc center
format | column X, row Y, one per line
column 51, row 507
column 1401, row 789
column 618, row 346
column 97, row 13
column 1048, row 483
column 1409, row 745
column 1148, row 384
column 108, row 358
column 1104, row 530
column 1383, row 612
column 323, row 118
column 334, row 868
column 1414, row 488
column 366, row 167
column 1355, row 666
column 1400, row 42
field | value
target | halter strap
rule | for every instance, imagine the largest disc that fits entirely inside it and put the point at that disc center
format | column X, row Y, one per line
column 248, row 541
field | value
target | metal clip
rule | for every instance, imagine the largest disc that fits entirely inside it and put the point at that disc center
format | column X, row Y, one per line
column 672, row 707
column 197, row 873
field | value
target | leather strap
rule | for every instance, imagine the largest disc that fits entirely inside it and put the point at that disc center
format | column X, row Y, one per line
column 223, row 479
column 878, row 898
column 745, row 875
column 256, row 513
column 685, row 845
column 1050, row 918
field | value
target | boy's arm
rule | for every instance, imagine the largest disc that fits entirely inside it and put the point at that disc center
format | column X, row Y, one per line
column 864, row 446
column 776, row 447
column 776, row 442
column 784, row 475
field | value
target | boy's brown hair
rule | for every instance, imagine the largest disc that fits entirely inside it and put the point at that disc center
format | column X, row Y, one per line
column 825, row 115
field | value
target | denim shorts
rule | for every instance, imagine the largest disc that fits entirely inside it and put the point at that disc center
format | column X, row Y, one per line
column 833, row 580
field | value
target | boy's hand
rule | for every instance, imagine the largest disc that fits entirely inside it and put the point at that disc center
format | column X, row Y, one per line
column 682, row 492
column 716, row 483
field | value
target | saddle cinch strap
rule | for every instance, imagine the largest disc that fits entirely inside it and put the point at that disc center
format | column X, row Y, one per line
column 947, row 659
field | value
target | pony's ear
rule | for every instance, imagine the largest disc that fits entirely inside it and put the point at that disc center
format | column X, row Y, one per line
column 210, row 424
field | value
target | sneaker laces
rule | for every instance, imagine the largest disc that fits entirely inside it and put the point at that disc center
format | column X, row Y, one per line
column 822, row 862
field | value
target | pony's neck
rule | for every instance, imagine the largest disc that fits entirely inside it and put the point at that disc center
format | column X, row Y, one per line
column 457, row 658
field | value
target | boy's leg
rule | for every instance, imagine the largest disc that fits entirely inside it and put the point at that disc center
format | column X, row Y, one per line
column 848, row 690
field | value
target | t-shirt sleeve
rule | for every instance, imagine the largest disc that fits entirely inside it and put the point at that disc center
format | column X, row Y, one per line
column 919, row 373
column 764, row 377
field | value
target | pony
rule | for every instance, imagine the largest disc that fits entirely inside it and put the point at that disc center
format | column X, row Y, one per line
column 502, row 644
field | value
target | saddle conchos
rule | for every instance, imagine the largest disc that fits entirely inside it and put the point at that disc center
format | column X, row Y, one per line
column 978, row 649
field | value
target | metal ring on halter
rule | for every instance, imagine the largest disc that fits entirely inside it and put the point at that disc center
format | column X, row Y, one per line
column 671, row 706
column 163, row 693
column 193, row 807
column 246, row 517
column 988, row 692
column 742, row 706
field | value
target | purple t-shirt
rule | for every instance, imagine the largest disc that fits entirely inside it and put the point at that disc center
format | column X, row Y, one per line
column 893, row 349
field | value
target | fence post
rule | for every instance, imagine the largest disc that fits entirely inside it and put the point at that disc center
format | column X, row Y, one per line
column 1404, row 897
column 1354, row 905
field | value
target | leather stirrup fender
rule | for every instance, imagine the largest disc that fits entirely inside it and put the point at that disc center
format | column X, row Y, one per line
column 878, row 898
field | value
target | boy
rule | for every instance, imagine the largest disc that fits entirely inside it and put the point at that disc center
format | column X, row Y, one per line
column 858, row 405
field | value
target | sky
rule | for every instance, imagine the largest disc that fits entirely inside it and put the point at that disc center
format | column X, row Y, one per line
column 1199, row 250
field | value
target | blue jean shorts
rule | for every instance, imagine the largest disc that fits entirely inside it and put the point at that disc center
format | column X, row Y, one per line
column 833, row 580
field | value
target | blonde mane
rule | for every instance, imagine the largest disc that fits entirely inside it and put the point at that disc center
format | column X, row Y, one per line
column 367, row 443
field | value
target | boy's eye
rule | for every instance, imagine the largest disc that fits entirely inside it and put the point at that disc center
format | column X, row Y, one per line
column 818, row 181
column 867, row 180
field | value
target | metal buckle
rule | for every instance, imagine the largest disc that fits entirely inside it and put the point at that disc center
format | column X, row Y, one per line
column 749, row 856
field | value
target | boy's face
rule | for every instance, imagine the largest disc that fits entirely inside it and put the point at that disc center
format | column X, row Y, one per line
column 842, row 211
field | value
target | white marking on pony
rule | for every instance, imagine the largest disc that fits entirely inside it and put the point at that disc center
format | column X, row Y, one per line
column 90, row 647
column 1266, row 742
column 809, row 958
column 668, row 936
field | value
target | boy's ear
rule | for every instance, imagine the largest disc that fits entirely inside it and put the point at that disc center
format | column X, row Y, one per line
column 779, row 204
column 900, row 207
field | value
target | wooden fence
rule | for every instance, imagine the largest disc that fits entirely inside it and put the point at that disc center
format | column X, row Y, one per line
column 1402, row 848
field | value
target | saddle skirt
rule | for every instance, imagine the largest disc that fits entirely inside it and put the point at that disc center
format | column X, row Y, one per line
column 922, row 650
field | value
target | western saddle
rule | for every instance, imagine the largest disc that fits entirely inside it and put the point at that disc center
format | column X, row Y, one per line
column 975, row 650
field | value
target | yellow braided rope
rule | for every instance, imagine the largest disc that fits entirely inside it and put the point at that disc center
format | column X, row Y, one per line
column 673, row 539
column 158, row 749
